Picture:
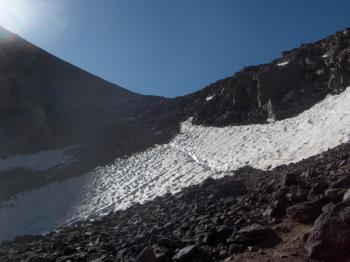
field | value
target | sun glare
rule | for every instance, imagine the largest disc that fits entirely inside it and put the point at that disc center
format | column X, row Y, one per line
column 44, row 19
column 16, row 15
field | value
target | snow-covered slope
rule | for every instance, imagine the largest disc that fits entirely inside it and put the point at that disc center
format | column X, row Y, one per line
column 193, row 155
column 42, row 160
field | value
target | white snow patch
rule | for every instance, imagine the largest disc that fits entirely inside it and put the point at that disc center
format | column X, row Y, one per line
column 320, row 72
column 139, row 178
column 196, row 153
column 325, row 55
column 38, row 161
column 283, row 63
column 208, row 98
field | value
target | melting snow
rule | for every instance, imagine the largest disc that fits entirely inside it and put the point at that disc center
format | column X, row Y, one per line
column 39, row 161
column 193, row 155
column 283, row 63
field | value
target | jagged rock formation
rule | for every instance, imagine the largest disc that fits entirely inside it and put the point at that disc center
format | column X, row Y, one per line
column 278, row 90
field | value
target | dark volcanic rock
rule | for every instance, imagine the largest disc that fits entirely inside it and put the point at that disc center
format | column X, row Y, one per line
column 147, row 255
column 191, row 253
column 342, row 182
column 254, row 234
column 229, row 189
column 319, row 187
column 330, row 236
column 290, row 179
column 38, row 259
column 334, row 195
column 306, row 212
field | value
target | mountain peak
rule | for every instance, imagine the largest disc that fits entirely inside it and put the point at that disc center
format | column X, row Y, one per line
column 6, row 35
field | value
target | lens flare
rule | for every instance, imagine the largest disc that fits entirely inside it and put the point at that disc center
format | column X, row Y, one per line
column 43, row 19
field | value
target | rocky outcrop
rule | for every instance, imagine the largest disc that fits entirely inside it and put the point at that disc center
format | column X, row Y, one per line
column 329, row 239
column 278, row 90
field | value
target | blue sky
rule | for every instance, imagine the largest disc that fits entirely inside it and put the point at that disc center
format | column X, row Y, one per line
column 171, row 48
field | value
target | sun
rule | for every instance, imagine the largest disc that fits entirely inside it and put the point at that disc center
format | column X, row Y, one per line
column 15, row 15
column 34, row 19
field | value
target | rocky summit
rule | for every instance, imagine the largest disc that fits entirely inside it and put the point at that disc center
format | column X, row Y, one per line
column 61, row 127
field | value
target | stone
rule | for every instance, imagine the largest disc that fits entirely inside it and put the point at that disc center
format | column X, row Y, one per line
column 38, row 259
column 146, row 255
column 342, row 182
column 252, row 234
column 319, row 187
column 229, row 188
column 305, row 212
column 334, row 195
column 346, row 195
column 329, row 238
column 218, row 235
column 290, row 179
column 191, row 253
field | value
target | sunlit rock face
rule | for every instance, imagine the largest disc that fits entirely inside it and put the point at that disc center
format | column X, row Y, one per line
column 278, row 90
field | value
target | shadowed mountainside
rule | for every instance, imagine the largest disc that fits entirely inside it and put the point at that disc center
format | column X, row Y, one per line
column 46, row 103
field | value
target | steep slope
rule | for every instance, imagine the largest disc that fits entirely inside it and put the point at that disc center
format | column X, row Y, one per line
column 250, row 215
column 51, row 111
column 195, row 154
column 49, row 105
column 281, row 89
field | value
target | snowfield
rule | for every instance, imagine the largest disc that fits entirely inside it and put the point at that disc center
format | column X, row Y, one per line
column 196, row 153
column 39, row 161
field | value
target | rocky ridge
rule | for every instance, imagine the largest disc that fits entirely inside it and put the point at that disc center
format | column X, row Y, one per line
column 291, row 213
column 281, row 89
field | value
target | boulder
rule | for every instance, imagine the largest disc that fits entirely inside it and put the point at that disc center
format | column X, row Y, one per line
column 254, row 234
column 346, row 195
column 319, row 187
column 229, row 188
column 342, row 182
column 38, row 259
column 289, row 179
column 334, row 195
column 329, row 238
column 218, row 235
column 305, row 212
column 191, row 253
column 146, row 255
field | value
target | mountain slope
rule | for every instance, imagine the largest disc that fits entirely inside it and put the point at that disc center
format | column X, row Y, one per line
column 251, row 215
column 265, row 116
column 48, row 104
column 281, row 89
column 195, row 154
column 83, row 121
